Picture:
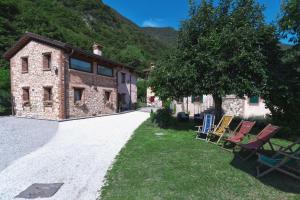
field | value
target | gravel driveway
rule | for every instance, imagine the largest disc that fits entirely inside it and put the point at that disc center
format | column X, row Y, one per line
column 78, row 155
column 19, row 136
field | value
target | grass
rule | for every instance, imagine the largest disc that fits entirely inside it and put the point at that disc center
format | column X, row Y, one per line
column 171, row 164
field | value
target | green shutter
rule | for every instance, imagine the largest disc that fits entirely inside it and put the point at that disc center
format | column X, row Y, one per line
column 254, row 99
column 193, row 98
column 201, row 98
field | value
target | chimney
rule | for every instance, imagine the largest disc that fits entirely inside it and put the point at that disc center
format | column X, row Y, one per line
column 97, row 49
column 152, row 65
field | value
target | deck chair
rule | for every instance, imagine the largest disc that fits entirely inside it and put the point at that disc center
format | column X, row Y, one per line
column 208, row 125
column 243, row 128
column 256, row 144
column 220, row 129
column 286, row 161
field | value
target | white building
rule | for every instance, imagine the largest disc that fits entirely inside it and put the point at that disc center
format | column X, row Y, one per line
column 245, row 108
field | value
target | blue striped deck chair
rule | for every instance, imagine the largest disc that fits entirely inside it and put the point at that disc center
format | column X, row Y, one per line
column 208, row 125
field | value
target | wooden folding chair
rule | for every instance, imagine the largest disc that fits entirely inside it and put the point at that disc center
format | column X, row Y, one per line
column 286, row 161
column 220, row 129
column 256, row 144
column 207, row 126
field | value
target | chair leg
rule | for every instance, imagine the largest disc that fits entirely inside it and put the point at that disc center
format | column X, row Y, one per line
column 219, row 139
column 261, row 174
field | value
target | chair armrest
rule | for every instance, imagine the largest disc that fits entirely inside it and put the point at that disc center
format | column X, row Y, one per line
column 288, row 155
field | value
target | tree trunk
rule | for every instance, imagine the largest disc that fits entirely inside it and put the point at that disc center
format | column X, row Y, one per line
column 218, row 107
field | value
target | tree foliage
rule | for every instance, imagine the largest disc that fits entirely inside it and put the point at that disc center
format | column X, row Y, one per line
column 283, row 97
column 222, row 49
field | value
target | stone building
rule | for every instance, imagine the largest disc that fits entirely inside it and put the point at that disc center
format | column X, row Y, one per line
column 242, row 107
column 54, row 80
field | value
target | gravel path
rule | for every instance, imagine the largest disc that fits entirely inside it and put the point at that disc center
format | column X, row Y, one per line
column 19, row 136
column 78, row 155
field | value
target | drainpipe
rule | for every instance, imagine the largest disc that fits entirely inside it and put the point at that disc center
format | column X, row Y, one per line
column 66, row 81
column 130, row 92
column 117, row 79
column 187, row 104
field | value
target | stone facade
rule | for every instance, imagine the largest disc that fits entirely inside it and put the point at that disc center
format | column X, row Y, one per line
column 36, row 79
column 231, row 105
column 94, row 87
column 99, row 92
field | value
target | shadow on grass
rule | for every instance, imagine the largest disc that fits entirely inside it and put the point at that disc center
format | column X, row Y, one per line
column 189, row 125
column 275, row 179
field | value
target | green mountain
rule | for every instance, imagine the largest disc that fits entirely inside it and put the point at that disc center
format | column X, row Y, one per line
column 80, row 23
column 166, row 35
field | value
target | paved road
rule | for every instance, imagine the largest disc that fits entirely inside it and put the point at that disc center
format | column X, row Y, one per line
column 19, row 136
column 78, row 156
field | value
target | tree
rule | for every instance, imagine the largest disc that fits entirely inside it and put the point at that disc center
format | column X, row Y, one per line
column 142, row 86
column 133, row 56
column 283, row 95
column 221, row 50
column 290, row 20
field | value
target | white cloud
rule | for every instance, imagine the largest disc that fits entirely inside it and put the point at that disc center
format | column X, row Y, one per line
column 153, row 23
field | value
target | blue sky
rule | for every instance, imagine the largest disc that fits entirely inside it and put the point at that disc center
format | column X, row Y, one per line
column 161, row 13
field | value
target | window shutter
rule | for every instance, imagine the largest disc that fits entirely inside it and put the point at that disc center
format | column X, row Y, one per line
column 46, row 94
column 201, row 98
column 26, row 94
column 46, row 61
column 24, row 64
column 254, row 99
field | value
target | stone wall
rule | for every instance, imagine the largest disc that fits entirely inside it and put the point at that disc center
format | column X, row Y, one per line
column 233, row 106
column 35, row 80
column 94, row 86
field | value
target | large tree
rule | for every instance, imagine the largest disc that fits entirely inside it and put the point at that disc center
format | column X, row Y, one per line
column 283, row 98
column 221, row 50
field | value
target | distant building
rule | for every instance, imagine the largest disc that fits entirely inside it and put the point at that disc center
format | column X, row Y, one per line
column 54, row 80
column 152, row 100
column 243, row 107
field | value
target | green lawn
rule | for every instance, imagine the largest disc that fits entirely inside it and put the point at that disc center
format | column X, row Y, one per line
column 171, row 164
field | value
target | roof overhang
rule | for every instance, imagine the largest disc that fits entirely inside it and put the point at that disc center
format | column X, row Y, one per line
column 27, row 37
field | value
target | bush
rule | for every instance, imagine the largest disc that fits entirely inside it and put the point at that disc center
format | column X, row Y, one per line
column 163, row 117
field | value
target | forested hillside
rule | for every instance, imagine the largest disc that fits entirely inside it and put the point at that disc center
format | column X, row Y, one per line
column 166, row 35
column 78, row 22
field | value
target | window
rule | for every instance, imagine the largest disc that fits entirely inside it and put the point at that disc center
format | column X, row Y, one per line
column 48, row 96
column 107, row 96
column 123, row 77
column 78, row 95
column 179, row 100
column 26, row 98
column 105, row 71
column 46, row 61
column 123, row 98
column 254, row 100
column 197, row 99
column 25, row 65
column 80, row 65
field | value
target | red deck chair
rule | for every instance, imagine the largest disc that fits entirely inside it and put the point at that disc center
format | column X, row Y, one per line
column 259, row 141
column 240, row 132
